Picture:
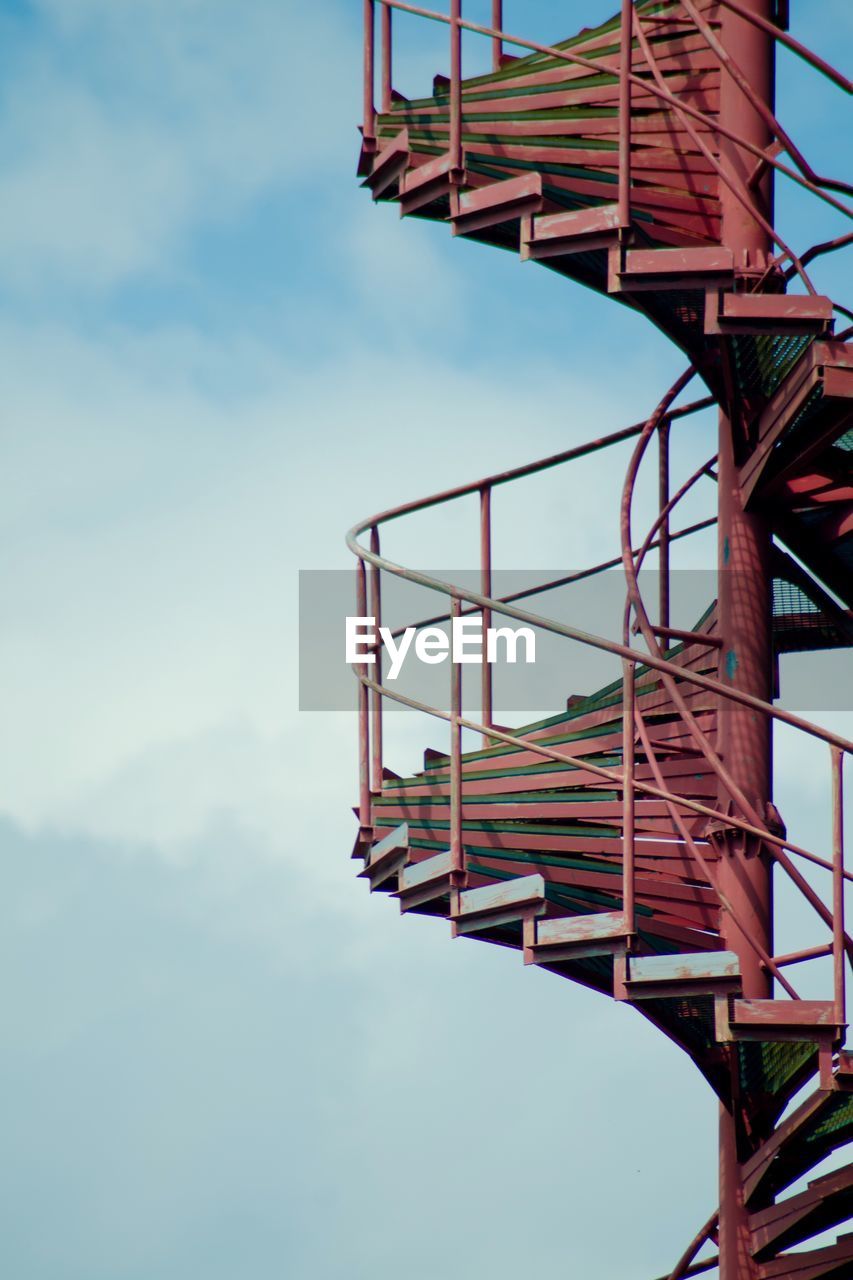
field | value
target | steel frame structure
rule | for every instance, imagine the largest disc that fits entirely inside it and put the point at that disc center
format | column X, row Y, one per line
column 630, row 843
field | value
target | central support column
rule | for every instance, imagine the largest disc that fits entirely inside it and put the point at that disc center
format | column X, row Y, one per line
column 744, row 608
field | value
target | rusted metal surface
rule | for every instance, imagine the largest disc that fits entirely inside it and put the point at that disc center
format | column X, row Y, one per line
column 524, row 892
column 784, row 1013
column 603, row 924
column 715, row 965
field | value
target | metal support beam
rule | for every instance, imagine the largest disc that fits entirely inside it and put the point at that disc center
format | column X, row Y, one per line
column 369, row 109
column 455, row 84
column 744, row 591
column 376, row 697
column 486, row 590
column 625, row 58
column 387, row 56
column 497, row 41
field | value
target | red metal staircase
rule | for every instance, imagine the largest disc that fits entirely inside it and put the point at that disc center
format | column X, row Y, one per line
column 620, row 841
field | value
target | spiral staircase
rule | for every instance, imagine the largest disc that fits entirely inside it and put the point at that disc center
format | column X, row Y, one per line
column 600, row 841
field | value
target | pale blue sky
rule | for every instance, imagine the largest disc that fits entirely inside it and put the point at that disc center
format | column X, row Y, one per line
column 220, row 1058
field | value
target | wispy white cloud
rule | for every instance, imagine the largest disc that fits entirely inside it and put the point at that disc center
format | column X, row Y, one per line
column 156, row 518
column 208, row 1070
column 123, row 127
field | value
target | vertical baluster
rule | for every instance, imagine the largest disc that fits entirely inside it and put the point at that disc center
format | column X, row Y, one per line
column 628, row 814
column 663, row 536
column 457, row 860
column 455, row 84
column 497, row 41
column 386, row 57
column 369, row 109
column 486, row 590
column 375, row 697
column 627, row 36
column 838, row 932
column 365, row 815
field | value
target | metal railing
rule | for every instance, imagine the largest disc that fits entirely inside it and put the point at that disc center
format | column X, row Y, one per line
column 632, row 33
column 371, row 563
column 635, row 29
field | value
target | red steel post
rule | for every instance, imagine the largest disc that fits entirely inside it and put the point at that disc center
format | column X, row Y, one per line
column 627, row 35
column 456, row 854
column 497, row 41
column 365, row 815
column 369, row 109
column 387, row 40
column 375, row 697
column 744, row 604
column 455, row 84
column 838, row 956
column 486, row 590
column 663, row 503
column 629, row 704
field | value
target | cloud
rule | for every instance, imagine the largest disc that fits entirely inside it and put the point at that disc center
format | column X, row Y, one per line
column 210, row 1071
column 223, row 1057
column 113, row 147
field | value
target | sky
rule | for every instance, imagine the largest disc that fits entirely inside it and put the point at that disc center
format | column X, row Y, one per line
column 220, row 1057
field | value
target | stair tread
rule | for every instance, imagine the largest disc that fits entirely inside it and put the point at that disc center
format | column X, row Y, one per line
column 823, row 1122
column 416, row 874
column 803, row 1013
column 498, row 897
column 562, row 930
column 677, row 968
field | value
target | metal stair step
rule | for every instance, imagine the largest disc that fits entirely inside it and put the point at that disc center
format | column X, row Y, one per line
column 834, row 1260
column 774, row 313
column 508, row 902
column 700, row 973
column 783, row 1020
column 389, row 165
column 814, row 399
column 387, row 857
column 498, row 202
column 552, row 235
column 577, row 937
column 423, row 881
column 807, row 1136
column 429, row 182
column 639, row 270
column 825, row 1203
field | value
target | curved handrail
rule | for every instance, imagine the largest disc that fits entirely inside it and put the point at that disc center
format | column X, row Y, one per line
column 670, row 671
column 673, row 676
column 526, row 469
column 686, row 112
column 583, row 637
column 635, row 604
